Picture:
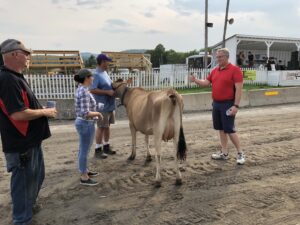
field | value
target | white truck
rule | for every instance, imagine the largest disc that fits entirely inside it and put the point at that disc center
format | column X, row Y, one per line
column 197, row 61
column 172, row 73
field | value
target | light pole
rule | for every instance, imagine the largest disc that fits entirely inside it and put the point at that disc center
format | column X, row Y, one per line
column 225, row 23
column 206, row 36
column 206, row 25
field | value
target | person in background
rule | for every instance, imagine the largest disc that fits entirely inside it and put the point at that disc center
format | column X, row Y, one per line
column 268, row 64
column 23, row 127
column 241, row 59
column 103, row 93
column 86, row 114
column 250, row 59
column 227, row 85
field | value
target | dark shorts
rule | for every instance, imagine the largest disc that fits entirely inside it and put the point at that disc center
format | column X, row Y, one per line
column 108, row 118
column 220, row 120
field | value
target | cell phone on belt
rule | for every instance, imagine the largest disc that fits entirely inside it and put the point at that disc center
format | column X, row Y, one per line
column 24, row 159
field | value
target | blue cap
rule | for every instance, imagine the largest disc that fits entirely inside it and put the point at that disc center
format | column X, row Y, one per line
column 103, row 57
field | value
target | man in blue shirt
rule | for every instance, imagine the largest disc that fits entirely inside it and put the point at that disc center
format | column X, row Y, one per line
column 103, row 93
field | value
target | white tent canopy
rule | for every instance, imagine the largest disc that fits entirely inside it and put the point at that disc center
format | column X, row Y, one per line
column 262, row 47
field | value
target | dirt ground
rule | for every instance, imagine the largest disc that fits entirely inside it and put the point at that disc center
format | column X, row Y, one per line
column 264, row 191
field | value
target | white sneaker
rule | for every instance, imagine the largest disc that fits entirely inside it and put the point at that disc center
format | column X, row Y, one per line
column 220, row 156
column 240, row 158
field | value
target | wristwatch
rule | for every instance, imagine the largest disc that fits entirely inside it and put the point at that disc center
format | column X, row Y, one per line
column 237, row 106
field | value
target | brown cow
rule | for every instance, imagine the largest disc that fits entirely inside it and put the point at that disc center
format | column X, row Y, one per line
column 157, row 113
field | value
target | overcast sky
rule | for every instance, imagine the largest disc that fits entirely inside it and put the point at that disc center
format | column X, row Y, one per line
column 113, row 25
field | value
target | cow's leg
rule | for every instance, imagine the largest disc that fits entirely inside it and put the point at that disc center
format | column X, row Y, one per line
column 158, row 159
column 133, row 146
column 148, row 157
column 178, row 173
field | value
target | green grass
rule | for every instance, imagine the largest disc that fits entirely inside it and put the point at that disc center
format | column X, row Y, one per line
column 199, row 90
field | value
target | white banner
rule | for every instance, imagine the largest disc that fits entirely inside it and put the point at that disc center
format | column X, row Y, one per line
column 290, row 78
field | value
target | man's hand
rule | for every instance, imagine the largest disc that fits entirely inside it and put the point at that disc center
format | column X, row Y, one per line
column 50, row 112
column 233, row 110
column 100, row 117
column 199, row 82
column 192, row 78
column 111, row 93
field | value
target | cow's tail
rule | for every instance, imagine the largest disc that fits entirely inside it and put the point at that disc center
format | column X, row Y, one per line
column 181, row 146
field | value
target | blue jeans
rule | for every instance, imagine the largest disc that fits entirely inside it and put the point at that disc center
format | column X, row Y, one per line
column 28, row 173
column 86, row 131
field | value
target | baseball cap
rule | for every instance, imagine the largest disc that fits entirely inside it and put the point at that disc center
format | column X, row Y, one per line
column 10, row 45
column 103, row 57
column 83, row 73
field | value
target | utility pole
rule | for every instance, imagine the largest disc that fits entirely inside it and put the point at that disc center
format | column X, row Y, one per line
column 206, row 34
column 225, row 23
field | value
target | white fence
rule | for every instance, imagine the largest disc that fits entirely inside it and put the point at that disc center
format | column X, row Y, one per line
column 63, row 87
column 52, row 87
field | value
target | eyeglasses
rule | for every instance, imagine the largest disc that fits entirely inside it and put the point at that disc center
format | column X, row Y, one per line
column 23, row 52
column 220, row 56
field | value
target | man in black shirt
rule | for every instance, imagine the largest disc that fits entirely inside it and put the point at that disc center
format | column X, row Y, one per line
column 1, row 60
column 23, row 127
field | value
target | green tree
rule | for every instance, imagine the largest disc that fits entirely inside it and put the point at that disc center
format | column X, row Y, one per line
column 90, row 62
column 209, row 50
column 172, row 57
column 158, row 56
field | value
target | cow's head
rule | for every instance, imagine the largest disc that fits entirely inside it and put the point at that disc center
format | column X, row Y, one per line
column 120, row 86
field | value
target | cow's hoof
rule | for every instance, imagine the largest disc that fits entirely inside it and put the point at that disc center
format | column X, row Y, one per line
column 148, row 158
column 178, row 182
column 157, row 184
column 130, row 158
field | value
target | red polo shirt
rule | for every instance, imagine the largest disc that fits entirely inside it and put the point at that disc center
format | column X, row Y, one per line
column 223, row 82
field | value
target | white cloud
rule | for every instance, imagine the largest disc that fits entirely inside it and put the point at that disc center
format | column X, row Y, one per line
column 148, row 14
column 80, row 3
column 153, row 32
column 116, row 26
column 95, row 25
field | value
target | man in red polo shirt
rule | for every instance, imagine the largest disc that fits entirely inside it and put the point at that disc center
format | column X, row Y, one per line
column 227, row 85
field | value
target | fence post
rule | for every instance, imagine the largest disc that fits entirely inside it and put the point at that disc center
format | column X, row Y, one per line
column 141, row 78
column 186, row 79
column 172, row 79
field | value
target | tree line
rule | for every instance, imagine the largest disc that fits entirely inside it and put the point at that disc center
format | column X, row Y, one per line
column 159, row 56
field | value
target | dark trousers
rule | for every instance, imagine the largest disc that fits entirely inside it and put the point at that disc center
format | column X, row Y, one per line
column 221, row 121
column 28, row 173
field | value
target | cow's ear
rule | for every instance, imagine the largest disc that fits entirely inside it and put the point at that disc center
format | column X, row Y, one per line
column 129, row 81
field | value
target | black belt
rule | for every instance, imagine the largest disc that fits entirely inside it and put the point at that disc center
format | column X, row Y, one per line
column 225, row 101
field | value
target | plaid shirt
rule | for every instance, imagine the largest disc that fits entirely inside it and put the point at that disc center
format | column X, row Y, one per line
column 84, row 102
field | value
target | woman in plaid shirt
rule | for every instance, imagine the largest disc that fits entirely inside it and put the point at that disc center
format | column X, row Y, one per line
column 85, row 108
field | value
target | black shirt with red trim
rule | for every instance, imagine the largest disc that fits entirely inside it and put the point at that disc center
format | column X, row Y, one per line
column 16, row 96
